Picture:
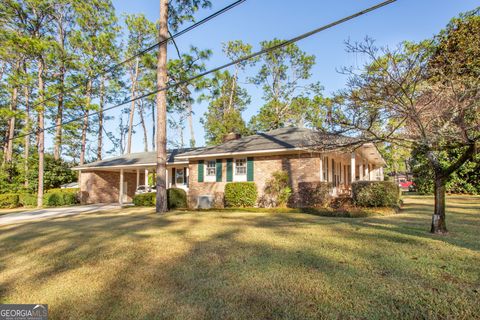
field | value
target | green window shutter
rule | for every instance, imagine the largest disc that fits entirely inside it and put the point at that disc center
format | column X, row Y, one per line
column 250, row 169
column 229, row 170
column 219, row 170
column 200, row 171
column 173, row 176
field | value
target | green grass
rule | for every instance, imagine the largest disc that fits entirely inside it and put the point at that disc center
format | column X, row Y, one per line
column 194, row 265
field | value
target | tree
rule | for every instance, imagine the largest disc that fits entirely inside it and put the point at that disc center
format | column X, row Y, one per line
column 180, row 11
column 421, row 95
column 180, row 98
column 224, row 114
column 227, row 100
column 94, row 41
column 141, row 34
column 281, row 76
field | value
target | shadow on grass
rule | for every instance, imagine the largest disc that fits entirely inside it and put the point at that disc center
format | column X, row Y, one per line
column 221, row 265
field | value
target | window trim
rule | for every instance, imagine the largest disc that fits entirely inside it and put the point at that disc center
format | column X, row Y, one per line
column 208, row 168
column 244, row 166
column 180, row 172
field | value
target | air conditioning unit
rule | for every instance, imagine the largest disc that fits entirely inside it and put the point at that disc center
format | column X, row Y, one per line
column 205, row 202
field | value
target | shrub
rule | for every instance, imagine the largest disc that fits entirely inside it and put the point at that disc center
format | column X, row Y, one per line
column 55, row 198
column 9, row 200
column 144, row 199
column 313, row 194
column 240, row 194
column 375, row 193
column 176, row 198
column 28, row 199
column 277, row 191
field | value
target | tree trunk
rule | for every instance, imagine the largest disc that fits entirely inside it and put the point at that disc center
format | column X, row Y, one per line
column 11, row 127
column 132, row 109
column 144, row 127
column 161, row 198
column 85, row 122
column 438, row 219
column 154, row 137
column 41, row 133
column 100, row 119
column 26, row 151
column 59, row 116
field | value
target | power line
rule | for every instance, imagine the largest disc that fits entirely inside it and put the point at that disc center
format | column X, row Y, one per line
column 140, row 53
column 253, row 55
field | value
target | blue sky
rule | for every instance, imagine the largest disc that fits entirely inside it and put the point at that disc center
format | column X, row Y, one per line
column 258, row 20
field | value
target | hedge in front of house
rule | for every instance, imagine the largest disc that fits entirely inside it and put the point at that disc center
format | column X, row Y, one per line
column 60, row 197
column 176, row 198
column 240, row 194
column 9, row 200
column 28, row 199
column 145, row 199
column 313, row 194
column 375, row 193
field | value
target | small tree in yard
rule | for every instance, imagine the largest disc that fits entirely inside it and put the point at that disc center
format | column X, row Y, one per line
column 423, row 96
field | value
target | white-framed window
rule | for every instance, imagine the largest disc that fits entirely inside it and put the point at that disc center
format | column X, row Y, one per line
column 179, row 176
column 211, row 168
column 240, row 167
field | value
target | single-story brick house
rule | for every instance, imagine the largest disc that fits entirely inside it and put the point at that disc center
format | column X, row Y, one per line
column 307, row 156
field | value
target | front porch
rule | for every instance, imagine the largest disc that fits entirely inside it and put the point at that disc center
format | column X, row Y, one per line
column 340, row 168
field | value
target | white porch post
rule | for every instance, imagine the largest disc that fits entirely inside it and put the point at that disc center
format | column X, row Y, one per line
column 120, row 195
column 360, row 171
column 187, row 177
column 321, row 168
column 352, row 166
column 138, row 177
column 166, row 179
column 146, row 177
column 381, row 174
column 367, row 171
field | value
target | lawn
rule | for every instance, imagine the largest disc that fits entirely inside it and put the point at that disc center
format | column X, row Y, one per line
column 195, row 265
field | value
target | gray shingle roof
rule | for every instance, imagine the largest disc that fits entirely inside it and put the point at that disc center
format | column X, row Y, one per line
column 284, row 138
column 140, row 158
column 280, row 139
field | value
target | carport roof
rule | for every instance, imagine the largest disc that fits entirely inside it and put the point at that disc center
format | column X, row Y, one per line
column 140, row 159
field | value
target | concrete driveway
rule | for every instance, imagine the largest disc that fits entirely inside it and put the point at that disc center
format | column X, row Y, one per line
column 54, row 212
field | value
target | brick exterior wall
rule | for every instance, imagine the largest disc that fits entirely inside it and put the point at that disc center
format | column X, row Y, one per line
column 103, row 186
column 301, row 168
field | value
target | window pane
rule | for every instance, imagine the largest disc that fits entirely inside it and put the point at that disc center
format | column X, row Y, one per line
column 211, row 170
column 179, row 179
column 240, row 166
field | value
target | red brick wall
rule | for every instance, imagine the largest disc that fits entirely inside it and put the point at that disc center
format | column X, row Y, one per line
column 103, row 186
column 301, row 167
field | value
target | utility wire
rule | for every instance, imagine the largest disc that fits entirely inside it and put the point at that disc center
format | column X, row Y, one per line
column 253, row 55
column 140, row 53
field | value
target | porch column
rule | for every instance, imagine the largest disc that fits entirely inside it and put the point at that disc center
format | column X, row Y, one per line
column 167, row 184
column 120, row 192
column 138, row 177
column 367, row 171
column 321, row 169
column 382, row 177
column 360, row 171
column 352, row 166
column 146, row 177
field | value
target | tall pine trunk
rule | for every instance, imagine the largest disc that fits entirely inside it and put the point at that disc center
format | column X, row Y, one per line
column 154, row 137
column 41, row 133
column 26, row 148
column 85, row 121
column 144, row 127
column 132, row 108
column 11, row 127
column 439, row 225
column 59, row 116
column 161, row 170
column 100, row 119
